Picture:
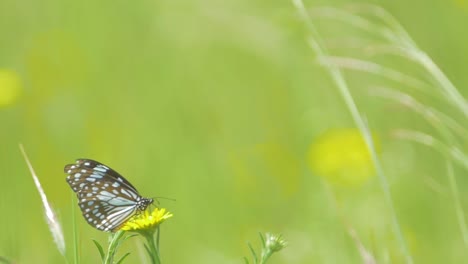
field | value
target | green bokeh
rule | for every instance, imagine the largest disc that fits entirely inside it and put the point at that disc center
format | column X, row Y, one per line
column 215, row 104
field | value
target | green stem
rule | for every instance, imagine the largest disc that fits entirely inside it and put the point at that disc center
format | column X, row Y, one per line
column 265, row 256
column 112, row 248
column 338, row 78
column 75, row 231
column 153, row 249
column 158, row 230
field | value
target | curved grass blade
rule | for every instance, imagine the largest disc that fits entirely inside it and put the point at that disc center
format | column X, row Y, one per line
column 52, row 219
column 100, row 249
column 122, row 258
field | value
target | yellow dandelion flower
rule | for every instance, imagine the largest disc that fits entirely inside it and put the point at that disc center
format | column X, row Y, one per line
column 341, row 157
column 10, row 87
column 147, row 221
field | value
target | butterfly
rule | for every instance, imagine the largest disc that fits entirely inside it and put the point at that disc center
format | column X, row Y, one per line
column 106, row 199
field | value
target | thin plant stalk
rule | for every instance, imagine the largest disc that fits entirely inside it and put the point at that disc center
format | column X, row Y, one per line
column 397, row 36
column 76, row 256
column 450, row 154
column 314, row 41
column 401, row 42
column 270, row 244
column 458, row 207
column 52, row 219
column 366, row 255
column 113, row 246
column 435, row 119
column 153, row 250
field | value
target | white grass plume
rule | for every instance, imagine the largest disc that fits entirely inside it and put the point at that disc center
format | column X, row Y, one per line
column 52, row 220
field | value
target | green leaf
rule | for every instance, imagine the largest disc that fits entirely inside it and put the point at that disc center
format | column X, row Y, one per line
column 101, row 250
column 127, row 237
column 246, row 260
column 263, row 239
column 253, row 253
column 122, row 258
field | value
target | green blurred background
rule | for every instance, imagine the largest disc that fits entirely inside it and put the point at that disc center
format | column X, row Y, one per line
column 215, row 104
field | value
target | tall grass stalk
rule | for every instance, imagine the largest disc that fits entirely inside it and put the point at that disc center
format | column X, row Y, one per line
column 458, row 207
column 336, row 75
column 444, row 125
column 367, row 257
column 450, row 153
column 52, row 219
column 447, row 126
column 375, row 68
column 76, row 255
column 400, row 43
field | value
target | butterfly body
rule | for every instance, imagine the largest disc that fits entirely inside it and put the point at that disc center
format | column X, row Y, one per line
column 106, row 199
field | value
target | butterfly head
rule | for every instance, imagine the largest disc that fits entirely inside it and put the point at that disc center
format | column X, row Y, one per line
column 143, row 203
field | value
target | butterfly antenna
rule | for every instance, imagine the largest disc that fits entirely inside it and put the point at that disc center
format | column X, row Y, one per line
column 162, row 197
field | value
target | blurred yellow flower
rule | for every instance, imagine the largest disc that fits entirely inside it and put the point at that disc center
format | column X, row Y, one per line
column 10, row 87
column 341, row 157
column 146, row 221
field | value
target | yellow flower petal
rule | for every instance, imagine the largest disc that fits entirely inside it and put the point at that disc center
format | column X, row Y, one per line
column 146, row 221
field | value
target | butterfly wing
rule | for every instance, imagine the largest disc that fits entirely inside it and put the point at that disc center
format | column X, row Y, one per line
column 106, row 199
column 107, row 214
column 96, row 170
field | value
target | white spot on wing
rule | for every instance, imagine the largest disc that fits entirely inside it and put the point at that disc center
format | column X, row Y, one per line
column 97, row 168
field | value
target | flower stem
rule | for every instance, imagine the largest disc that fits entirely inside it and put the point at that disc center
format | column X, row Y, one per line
column 113, row 245
column 158, row 230
column 153, row 250
column 265, row 256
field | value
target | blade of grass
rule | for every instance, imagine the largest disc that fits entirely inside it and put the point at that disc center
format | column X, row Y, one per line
column 375, row 68
column 76, row 255
column 444, row 123
column 449, row 153
column 458, row 207
column 367, row 257
column 254, row 255
column 100, row 249
column 397, row 36
column 262, row 239
column 337, row 77
column 122, row 258
column 52, row 220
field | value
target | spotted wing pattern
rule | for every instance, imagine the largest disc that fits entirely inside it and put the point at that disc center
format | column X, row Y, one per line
column 106, row 199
